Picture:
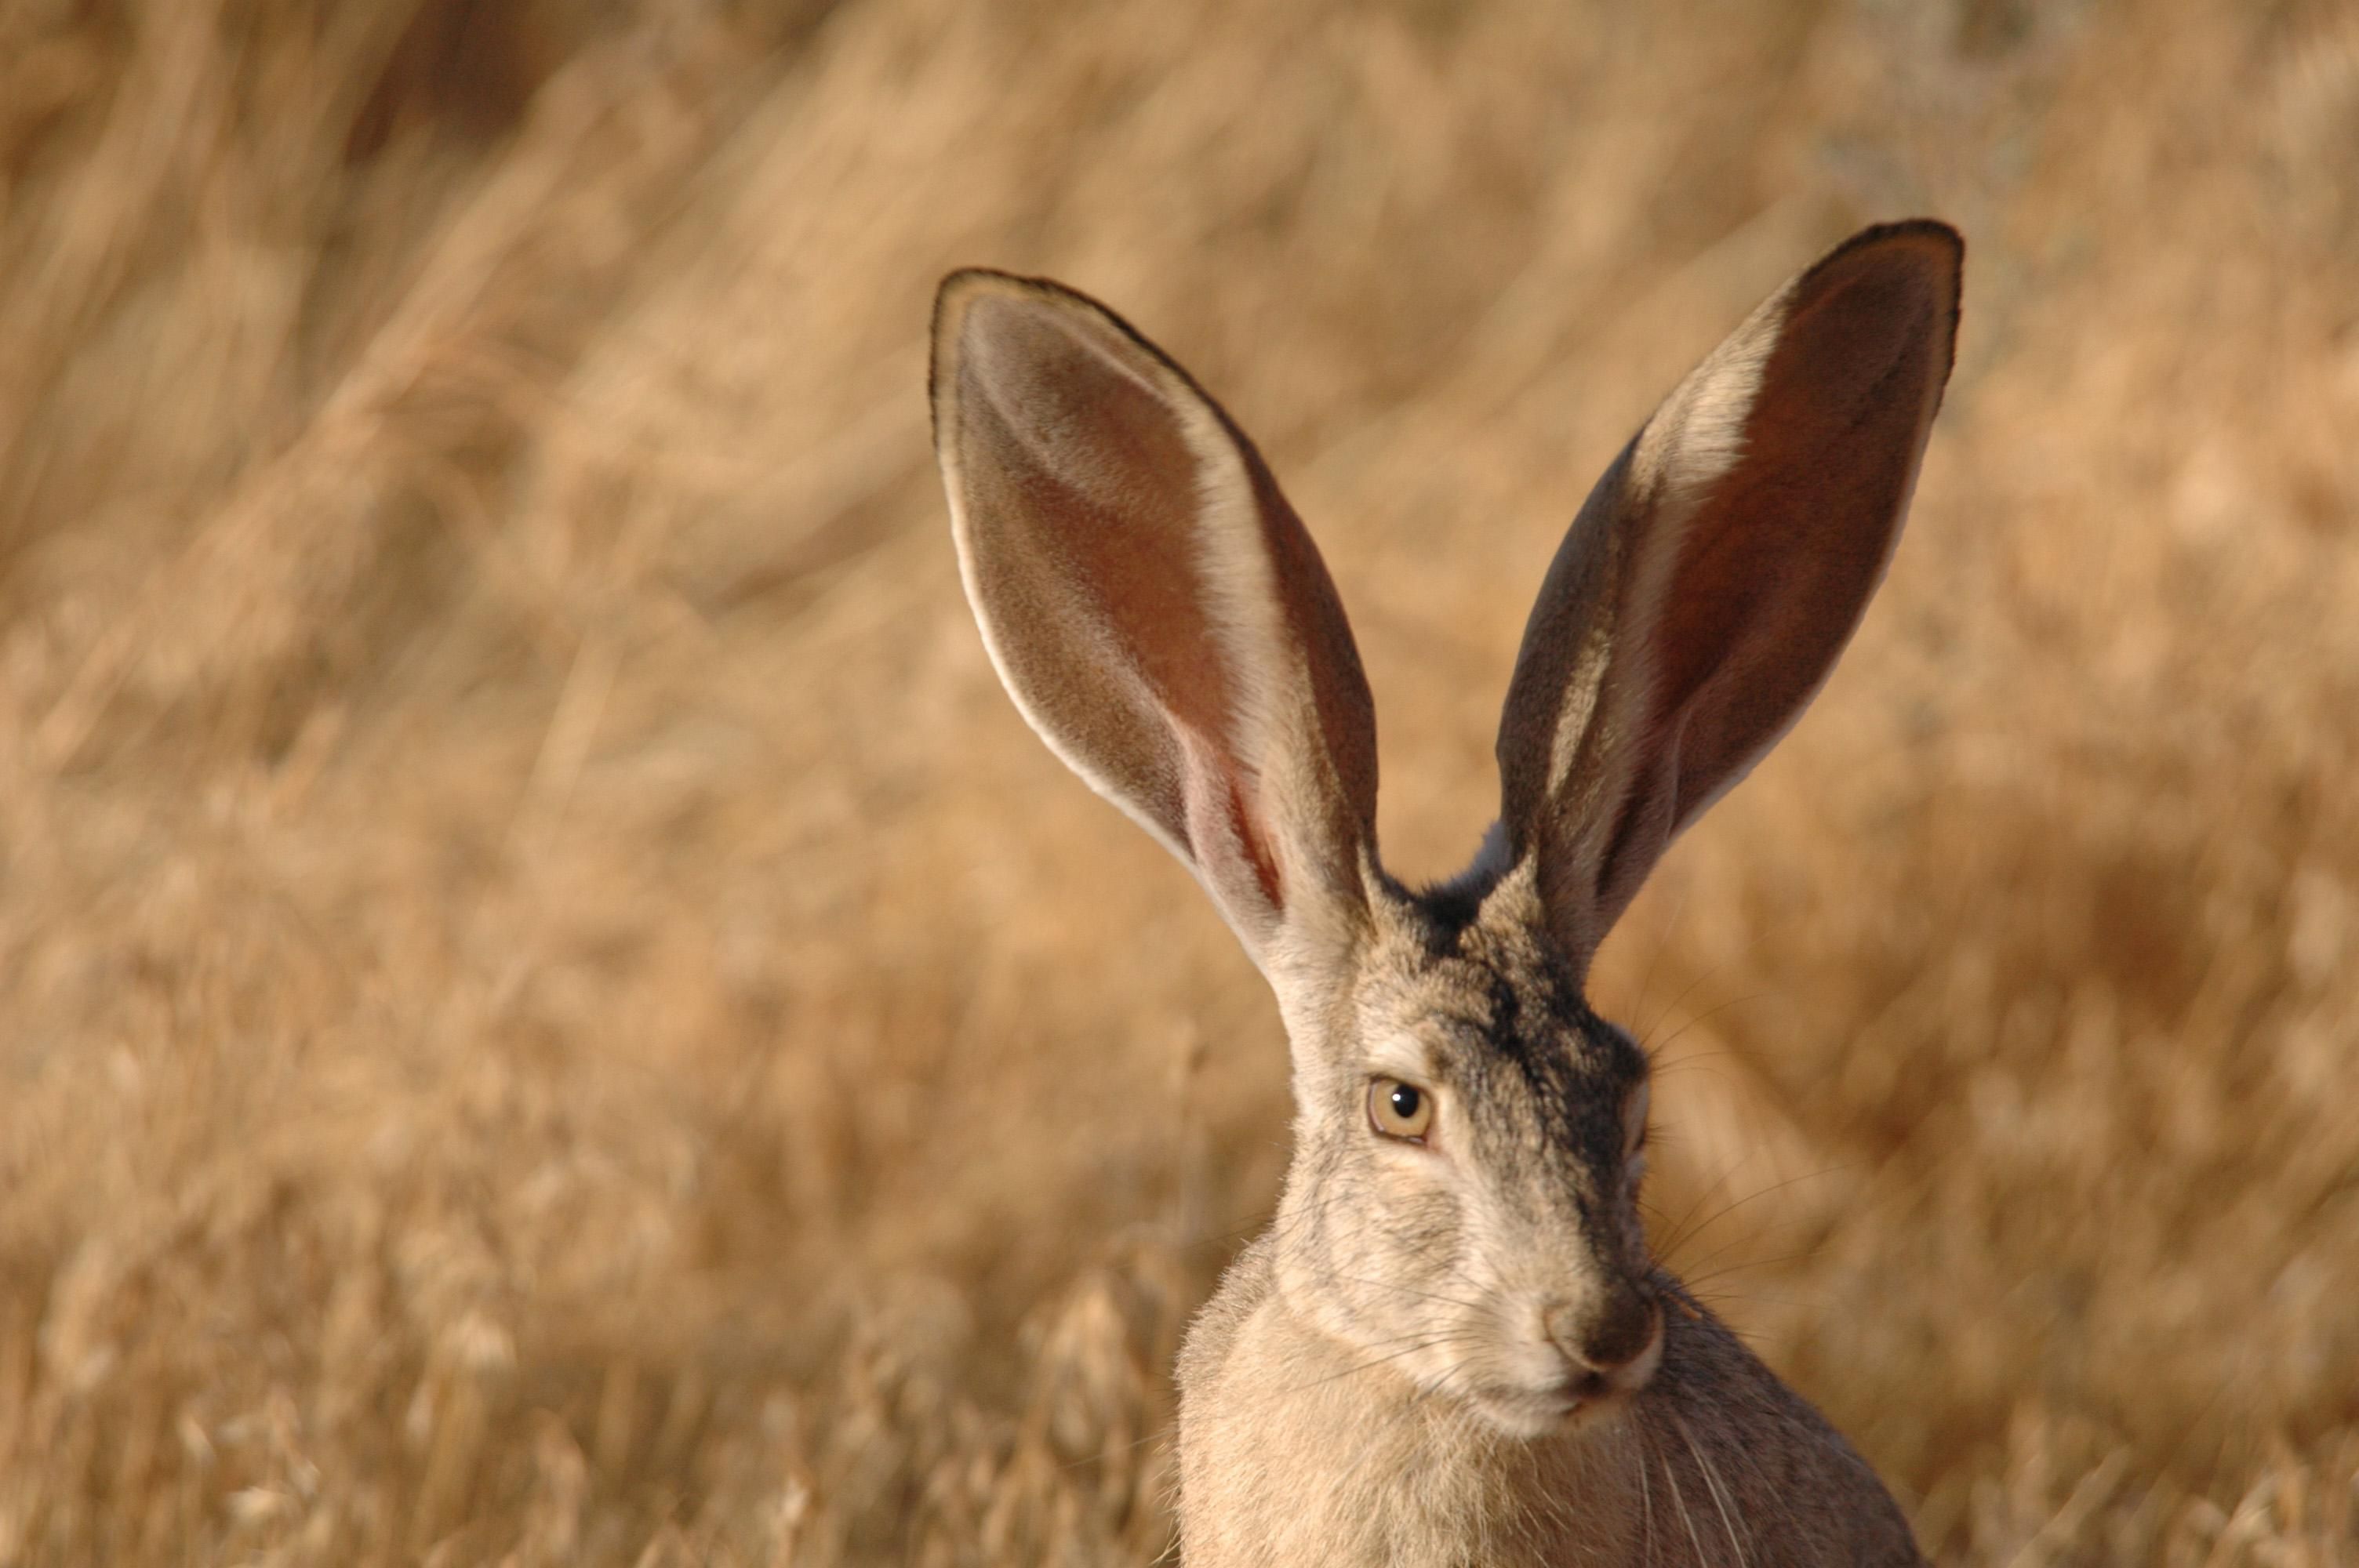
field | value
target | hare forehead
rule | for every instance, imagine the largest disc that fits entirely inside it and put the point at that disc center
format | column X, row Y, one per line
column 1490, row 1008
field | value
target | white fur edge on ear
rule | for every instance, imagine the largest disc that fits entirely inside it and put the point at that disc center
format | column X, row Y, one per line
column 1697, row 435
column 1933, row 409
column 1242, row 607
column 949, row 351
column 1242, row 604
column 1269, row 672
column 1691, row 443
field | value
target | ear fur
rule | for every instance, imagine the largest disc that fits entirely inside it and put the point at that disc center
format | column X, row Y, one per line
column 1718, row 569
column 1155, row 608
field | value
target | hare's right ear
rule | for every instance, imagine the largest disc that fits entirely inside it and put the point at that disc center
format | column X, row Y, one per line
column 1155, row 608
column 1719, row 567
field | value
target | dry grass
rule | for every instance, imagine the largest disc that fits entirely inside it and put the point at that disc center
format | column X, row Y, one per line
column 549, row 1011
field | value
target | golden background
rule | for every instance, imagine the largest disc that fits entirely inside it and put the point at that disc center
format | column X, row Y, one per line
column 551, row 1011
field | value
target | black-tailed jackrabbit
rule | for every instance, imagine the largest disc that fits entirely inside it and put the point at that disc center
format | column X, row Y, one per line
column 1453, row 1348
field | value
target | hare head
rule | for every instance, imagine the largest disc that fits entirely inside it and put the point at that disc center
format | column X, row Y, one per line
column 1469, row 1136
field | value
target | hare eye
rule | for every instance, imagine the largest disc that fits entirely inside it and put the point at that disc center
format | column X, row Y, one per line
column 1399, row 1110
column 1633, row 1123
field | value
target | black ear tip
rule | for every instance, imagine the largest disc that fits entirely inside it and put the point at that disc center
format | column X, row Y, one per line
column 954, row 287
column 1915, row 267
column 956, row 316
column 969, row 282
column 1926, row 246
column 1016, row 294
column 954, row 321
column 1928, row 234
column 1930, row 230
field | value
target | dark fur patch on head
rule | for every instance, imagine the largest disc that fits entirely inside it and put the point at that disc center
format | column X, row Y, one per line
column 1442, row 913
column 1526, row 1022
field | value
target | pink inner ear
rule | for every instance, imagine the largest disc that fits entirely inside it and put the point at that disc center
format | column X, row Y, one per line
column 1106, row 491
column 1342, row 706
column 1777, row 566
column 1154, row 604
column 1250, row 838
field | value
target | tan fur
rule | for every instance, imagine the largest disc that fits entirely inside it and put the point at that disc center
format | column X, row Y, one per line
column 1296, row 1447
column 1289, row 1456
column 1454, row 1347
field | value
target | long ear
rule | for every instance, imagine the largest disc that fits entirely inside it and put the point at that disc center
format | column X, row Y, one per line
column 1719, row 567
column 1154, row 607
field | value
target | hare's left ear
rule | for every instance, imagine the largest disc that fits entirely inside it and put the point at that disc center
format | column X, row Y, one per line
column 1158, row 612
column 1719, row 567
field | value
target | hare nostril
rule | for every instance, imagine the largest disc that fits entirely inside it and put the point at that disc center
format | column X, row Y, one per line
column 1620, row 1334
column 1607, row 1334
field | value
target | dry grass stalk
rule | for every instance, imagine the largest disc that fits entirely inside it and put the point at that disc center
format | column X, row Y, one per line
column 553, row 1014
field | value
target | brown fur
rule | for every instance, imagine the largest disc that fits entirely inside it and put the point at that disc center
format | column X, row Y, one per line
column 1716, row 1464
column 1297, row 1447
column 1453, row 1345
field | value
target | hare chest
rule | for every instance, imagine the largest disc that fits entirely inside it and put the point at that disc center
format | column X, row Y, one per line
column 1294, row 1448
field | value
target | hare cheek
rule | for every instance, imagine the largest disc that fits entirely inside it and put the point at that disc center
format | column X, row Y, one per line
column 1414, row 1253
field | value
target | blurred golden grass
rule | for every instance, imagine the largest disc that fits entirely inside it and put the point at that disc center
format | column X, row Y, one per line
column 549, row 1011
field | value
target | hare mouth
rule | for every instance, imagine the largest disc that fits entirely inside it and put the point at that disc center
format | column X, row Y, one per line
column 1528, row 1413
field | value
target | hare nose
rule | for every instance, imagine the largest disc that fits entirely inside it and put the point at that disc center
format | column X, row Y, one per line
column 1609, row 1333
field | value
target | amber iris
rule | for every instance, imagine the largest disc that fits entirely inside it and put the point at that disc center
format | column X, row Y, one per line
column 1400, row 1111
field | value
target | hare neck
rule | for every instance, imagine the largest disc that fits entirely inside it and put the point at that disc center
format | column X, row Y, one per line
column 1294, row 1448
